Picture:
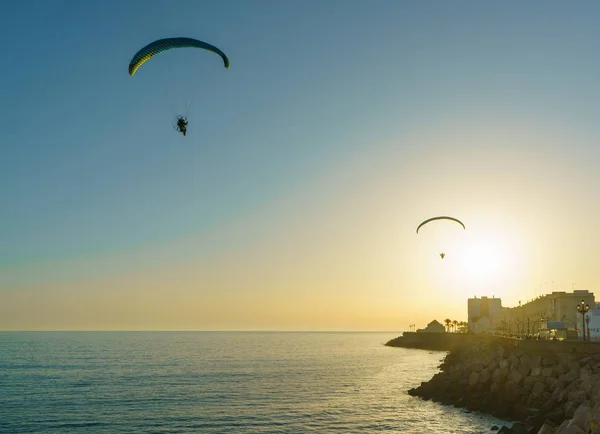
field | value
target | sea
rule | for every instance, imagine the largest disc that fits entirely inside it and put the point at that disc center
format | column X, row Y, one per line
column 220, row 382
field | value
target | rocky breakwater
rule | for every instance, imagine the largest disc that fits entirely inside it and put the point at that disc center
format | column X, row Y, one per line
column 427, row 341
column 549, row 392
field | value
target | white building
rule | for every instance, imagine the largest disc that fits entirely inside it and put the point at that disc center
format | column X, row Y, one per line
column 484, row 314
column 529, row 318
column 433, row 327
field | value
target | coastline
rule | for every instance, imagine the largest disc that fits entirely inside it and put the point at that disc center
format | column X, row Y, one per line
column 548, row 386
column 427, row 341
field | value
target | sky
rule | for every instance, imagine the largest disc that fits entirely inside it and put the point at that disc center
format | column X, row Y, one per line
column 293, row 201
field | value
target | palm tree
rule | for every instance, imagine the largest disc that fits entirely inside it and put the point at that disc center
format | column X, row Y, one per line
column 455, row 325
column 448, row 322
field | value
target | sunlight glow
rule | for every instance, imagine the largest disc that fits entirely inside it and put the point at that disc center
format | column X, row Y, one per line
column 482, row 260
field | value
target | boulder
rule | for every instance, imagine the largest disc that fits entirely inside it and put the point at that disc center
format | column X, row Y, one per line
column 516, row 377
column 559, row 386
column 524, row 369
column 562, row 426
column 556, row 416
column 586, row 374
column 570, row 430
column 570, row 408
column 578, row 397
column 536, row 371
column 558, row 370
column 535, row 361
column 503, row 352
column 549, row 360
column 512, row 392
column 477, row 366
column 531, row 380
column 551, row 382
column 535, row 401
column 589, row 385
column 518, row 428
column 493, row 364
column 550, row 405
column 547, row 428
column 485, row 376
column 582, row 417
column 594, row 421
column 574, row 366
column 519, row 410
column 497, row 376
column 594, row 392
column 514, row 364
column 563, row 396
column 538, row 388
column 569, row 377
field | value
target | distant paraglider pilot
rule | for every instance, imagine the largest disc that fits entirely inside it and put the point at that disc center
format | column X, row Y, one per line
column 442, row 255
column 181, row 125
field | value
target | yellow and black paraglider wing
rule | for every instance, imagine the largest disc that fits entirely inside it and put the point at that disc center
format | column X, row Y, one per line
column 156, row 47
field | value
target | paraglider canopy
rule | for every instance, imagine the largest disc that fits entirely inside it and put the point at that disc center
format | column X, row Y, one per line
column 441, row 218
column 161, row 45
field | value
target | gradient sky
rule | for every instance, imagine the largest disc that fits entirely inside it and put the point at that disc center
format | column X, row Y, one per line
column 292, row 203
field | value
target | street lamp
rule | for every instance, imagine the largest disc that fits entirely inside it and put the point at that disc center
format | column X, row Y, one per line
column 527, row 327
column 540, row 327
column 587, row 323
column 583, row 308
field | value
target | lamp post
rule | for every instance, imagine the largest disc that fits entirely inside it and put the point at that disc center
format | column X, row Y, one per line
column 587, row 323
column 540, row 329
column 583, row 308
column 518, row 328
column 527, row 327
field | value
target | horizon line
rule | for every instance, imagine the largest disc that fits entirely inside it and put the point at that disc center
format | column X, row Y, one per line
column 200, row 330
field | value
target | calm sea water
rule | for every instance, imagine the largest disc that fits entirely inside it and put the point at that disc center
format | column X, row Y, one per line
column 219, row 382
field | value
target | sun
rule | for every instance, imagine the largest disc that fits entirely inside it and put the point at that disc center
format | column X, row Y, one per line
column 482, row 260
column 488, row 260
